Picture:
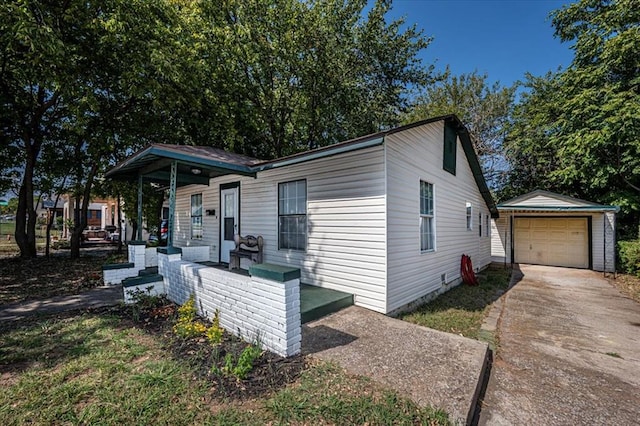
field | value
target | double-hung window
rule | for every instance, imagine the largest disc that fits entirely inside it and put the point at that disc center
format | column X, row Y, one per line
column 196, row 216
column 469, row 217
column 427, row 217
column 292, row 215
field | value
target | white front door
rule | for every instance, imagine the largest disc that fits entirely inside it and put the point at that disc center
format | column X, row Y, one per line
column 229, row 221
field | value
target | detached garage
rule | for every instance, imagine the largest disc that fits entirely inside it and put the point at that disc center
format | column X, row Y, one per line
column 544, row 228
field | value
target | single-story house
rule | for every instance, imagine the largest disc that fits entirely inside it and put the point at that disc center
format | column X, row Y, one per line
column 385, row 217
column 545, row 228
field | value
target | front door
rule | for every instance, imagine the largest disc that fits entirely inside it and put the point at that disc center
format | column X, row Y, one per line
column 229, row 221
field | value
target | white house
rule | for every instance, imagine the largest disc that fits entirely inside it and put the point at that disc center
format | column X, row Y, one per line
column 545, row 228
column 385, row 217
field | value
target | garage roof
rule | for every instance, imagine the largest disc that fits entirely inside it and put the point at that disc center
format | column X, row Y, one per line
column 546, row 201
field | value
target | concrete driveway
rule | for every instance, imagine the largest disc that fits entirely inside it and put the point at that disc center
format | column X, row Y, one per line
column 569, row 352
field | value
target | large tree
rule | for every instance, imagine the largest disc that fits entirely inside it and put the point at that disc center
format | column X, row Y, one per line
column 586, row 119
column 484, row 108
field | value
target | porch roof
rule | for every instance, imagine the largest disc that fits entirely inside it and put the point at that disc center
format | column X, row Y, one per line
column 196, row 164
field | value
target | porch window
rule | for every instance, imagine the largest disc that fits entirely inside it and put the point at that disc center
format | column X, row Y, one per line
column 469, row 217
column 292, row 215
column 196, row 216
column 427, row 237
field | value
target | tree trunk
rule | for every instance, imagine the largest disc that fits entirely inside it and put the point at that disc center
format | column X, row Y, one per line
column 25, row 233
column 50, row 219
column 81, row 218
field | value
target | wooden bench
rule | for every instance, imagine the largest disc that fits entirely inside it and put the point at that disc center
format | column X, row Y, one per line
column 248, row 247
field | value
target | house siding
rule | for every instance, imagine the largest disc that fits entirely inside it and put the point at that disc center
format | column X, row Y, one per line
column 413, row 155
column 602, row 236
column 346, row 231
column 542, row 200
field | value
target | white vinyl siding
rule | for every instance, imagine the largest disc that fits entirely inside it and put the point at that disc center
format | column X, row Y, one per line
column 544, row 200
column 346, row 230
column 413, row 155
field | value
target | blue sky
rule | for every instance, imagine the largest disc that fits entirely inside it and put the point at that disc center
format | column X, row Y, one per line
column 503, row 38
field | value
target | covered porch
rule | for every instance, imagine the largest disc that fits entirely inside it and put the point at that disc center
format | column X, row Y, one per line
column 179, row 271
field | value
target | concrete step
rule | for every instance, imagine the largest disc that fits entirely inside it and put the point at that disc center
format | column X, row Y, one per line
column 317, row 302
column 151, row 270
column 143, row 279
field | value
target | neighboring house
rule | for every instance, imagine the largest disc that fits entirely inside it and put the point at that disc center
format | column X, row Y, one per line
column 385, row 217
column 545, row 228
column 101, row 213
column 48, row 207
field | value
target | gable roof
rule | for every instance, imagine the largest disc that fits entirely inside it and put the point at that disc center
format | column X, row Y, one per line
column 540, row 200
column 154, row 160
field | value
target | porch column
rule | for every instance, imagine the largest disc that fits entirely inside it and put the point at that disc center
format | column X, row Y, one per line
column 172, row 202
column 139, row 237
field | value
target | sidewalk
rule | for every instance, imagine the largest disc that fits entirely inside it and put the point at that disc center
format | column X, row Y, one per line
column 431, row 367
column 94, row 298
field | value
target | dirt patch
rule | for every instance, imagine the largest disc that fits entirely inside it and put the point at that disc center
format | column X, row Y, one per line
column 39, row 278
column 628, row 285
column 270, row 372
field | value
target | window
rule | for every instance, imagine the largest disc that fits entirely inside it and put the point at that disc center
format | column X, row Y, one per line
column 479, row 224
column 427, row 237
column 450, row 146
column 196, row 216
column 98, row 214
column 469, row 216
column 487, row 220
column 292, row 215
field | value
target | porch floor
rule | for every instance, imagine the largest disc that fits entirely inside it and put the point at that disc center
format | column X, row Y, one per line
column 315, row 302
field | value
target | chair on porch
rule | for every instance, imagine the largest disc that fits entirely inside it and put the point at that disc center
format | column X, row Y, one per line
column 248, row 247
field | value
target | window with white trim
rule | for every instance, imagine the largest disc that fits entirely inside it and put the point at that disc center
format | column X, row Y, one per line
column 292, row 215
column 469, row 217
column 196, row 216
column 487, row 231
column 427, row 217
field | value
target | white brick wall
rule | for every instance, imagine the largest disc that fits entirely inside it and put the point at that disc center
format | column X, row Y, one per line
column 151, row 257
column 251, row 308
column 152, row 289
column 136, row 256
column 195, row 253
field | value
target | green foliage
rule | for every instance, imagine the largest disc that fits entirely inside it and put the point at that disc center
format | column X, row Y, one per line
column 143, row 300
column 629, row 256
column 244, row 364
column 485, row 109
column 187, row 326
column 215, row 332
column 577, row 131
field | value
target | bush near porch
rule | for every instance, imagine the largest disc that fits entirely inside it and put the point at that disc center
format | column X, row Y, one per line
column 629, row 256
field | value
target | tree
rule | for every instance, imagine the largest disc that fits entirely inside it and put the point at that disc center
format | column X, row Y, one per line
column 291, row 75
column 585, row 120
column 485, row 109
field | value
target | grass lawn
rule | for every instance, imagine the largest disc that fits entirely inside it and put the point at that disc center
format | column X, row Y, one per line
column 462, row 309
column 100, row 368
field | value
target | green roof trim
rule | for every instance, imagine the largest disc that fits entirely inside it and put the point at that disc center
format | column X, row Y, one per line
column 562, row 208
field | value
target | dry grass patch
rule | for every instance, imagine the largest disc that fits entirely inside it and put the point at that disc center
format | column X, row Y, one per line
column 628, row 285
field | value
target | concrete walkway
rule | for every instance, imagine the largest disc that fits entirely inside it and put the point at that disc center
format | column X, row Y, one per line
column 94, row 298
column 431, row 367
column 569, row 347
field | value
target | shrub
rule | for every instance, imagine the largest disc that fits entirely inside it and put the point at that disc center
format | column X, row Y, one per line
column 187, row 326
column 215, row 332
column 629, row 256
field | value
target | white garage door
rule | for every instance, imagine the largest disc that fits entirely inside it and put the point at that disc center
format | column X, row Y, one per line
column 552, row 241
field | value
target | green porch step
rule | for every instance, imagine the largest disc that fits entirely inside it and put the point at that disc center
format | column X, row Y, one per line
column 151, row 270
column 139, row 280
column 317, row 302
